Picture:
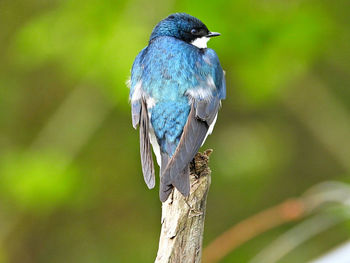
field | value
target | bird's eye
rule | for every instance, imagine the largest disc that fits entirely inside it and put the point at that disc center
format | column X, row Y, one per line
column 194, row 31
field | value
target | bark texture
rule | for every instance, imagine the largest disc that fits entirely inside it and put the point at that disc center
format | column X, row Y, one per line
column 183, row 218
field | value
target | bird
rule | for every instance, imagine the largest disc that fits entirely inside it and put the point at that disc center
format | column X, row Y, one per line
column 176, row 87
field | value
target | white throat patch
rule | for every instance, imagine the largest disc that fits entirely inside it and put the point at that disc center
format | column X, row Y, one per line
column 200, row 42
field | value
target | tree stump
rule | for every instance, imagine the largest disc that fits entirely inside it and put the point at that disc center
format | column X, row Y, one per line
column 183, row 217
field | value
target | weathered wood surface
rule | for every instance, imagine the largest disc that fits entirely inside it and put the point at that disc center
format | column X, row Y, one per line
column 183, row 218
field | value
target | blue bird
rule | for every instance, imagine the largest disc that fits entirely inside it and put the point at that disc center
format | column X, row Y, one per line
column 176, row 88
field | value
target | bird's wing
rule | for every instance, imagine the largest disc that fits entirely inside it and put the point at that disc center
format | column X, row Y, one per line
column 135, row 85
column 140, row 117
column 145, row 148
column 205, row 103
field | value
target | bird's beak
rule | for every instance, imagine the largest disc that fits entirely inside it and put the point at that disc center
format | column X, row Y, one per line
column 213, row 34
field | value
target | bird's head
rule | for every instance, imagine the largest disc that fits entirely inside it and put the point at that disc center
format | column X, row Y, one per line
column 184, row 27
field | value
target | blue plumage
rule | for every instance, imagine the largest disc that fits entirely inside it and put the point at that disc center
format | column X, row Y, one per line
column 180, row 86
column 168, row 120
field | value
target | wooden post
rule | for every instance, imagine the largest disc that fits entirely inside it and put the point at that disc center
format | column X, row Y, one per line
column 183, row 218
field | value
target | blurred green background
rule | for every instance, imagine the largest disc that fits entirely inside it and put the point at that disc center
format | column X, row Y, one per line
column 71, row 188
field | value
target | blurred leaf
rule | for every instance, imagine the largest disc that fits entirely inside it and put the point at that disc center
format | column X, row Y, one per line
column 87, row 39
column 37, row 181
column 252, row 150
column 3, row 258
column 275, row 48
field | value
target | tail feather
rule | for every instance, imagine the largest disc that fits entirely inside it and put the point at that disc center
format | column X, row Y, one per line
column 176, row 170
column 166, row 185
column 181, row 182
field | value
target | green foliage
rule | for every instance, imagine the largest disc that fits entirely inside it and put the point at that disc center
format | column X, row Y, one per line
column 272, row 44
column 88, row 39
column 37, row 181
column 254, row 150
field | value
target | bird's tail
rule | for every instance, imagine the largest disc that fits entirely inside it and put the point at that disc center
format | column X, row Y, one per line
column 165, row 186
column 181, row 181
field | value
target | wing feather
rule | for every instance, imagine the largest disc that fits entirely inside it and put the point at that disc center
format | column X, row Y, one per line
column 177, row 171
column 145, row 148
column 135, row 113
column 207, row 110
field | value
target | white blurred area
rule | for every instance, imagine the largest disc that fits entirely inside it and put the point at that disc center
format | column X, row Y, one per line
column 340, row 254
